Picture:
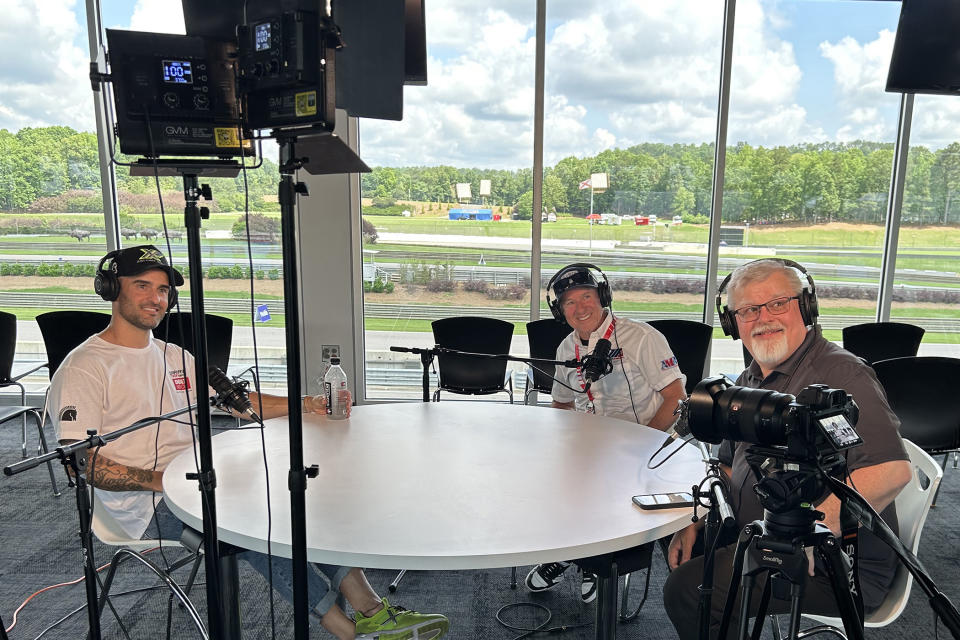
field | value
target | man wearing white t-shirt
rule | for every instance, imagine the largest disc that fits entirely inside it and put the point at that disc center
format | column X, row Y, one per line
column 124, row 374
column 644, row 385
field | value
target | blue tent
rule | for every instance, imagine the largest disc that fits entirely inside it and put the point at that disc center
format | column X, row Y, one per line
column 471, row 214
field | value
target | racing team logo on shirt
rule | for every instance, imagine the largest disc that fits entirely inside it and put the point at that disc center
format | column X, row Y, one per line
column 616, row 354
column 68, row 414
column 668, row 363
column 180, row 380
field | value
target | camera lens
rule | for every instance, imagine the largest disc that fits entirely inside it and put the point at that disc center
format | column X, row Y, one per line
column 718, row 411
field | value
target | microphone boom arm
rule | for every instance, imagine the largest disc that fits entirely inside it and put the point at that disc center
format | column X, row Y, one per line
column 445, row 351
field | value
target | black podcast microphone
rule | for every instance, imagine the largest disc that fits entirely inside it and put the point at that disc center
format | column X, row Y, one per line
column 231, row 394
column 598, row 363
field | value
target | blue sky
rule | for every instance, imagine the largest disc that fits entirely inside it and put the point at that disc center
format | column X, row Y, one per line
column 617, row 74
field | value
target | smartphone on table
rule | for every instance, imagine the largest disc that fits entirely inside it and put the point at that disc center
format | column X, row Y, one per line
column 674, row 500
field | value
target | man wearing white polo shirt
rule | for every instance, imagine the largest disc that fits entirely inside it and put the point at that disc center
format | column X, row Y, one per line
column 644, row 385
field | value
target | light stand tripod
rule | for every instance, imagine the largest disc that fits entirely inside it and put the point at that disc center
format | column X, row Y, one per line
column 298, row 475
column 775, row 547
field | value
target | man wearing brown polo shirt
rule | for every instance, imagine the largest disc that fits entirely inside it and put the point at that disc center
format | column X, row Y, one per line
column 776, row 319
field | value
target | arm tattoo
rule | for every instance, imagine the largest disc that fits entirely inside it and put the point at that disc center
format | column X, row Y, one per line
column 113, row 476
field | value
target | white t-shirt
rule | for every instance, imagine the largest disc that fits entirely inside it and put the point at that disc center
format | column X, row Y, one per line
column 106, row 387
column 637, row 349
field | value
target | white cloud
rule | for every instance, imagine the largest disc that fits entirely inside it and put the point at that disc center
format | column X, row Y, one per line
column 618, row 74
column 860, row 75
column 43, row 80
column 159, row 16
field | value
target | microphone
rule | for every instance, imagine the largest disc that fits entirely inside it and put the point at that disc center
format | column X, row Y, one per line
column 598, row 363
column 231, row 394
column 680, row 426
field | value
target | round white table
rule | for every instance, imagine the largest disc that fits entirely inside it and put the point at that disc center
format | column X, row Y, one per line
column 448, row 485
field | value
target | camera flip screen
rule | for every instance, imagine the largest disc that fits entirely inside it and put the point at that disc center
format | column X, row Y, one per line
column 839, row 431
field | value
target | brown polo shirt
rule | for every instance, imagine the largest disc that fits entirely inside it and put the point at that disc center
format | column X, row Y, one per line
column 818, row 361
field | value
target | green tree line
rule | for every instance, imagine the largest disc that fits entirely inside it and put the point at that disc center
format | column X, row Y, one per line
column 805, row 183
column 47, row 168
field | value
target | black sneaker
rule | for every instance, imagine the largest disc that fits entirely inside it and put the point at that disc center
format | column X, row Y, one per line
column 546, row 576
column 588, row 586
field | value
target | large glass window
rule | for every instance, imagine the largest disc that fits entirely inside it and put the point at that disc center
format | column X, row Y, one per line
column 51, row 213
column 632, row 93
column 810, row 150
column 926, row 287
column 52, row 230
column 447, row 208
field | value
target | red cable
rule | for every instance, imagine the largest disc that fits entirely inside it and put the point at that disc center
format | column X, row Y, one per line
column 54, row 586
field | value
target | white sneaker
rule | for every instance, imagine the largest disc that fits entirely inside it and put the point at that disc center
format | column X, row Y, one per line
column 546, row 576
column 588, row 586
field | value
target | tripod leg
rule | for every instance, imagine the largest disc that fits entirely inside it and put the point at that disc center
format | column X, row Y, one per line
column 796, row 600
column 746, row 537
column 746, row 595
column 829, row 550
column 762, row 610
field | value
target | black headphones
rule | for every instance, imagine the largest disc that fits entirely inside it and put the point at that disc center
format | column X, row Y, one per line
column 107, row 284
column 603, row 288
column 809, row 306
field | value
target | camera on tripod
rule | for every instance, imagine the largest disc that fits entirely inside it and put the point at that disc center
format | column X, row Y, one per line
column 814, row 426
column 795, row 442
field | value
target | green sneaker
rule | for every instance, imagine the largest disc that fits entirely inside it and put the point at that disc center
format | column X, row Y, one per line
column 397, row 623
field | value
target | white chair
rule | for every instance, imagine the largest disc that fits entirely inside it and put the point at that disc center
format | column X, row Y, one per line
column 913, row 505
column 108, row 531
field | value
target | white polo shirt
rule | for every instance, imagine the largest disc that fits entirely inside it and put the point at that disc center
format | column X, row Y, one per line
column 643, row 364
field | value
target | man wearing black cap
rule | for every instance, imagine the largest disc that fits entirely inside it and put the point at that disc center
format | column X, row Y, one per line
column 644, row 385
column 124, row 374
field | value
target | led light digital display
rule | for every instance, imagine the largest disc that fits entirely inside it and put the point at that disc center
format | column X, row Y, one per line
column 261, row 36
column 177, row 72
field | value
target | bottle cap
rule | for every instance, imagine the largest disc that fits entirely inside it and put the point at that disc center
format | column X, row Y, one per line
column 334, row 361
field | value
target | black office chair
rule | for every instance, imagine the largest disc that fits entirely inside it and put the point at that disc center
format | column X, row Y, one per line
column 63, row 331
column 543, row 336
column 467, row 375
column 875, row 341
column 689, row 341
column 922, row 392
column 219, row 335
column 8, row 349
column 11, row 412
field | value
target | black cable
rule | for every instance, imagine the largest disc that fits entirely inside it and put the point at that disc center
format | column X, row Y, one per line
column 540, row 628
column 183, row 356
column 554, row 378
column 623, row 368
column 256, row 377
column 666, row 444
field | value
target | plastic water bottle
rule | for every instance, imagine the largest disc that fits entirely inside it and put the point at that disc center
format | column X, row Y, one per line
column 335, row 388
column 583, row 404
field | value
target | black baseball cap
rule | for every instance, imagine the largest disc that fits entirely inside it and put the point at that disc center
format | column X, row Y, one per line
column 135, row 260
column 572, row 277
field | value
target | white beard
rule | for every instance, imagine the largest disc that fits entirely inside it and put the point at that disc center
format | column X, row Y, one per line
column 769, row 352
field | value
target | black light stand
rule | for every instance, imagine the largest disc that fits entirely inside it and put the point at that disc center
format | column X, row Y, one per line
column 74, row 457
column 298, row 475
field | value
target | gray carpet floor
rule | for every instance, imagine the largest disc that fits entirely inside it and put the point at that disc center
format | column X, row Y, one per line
column 39, row 547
